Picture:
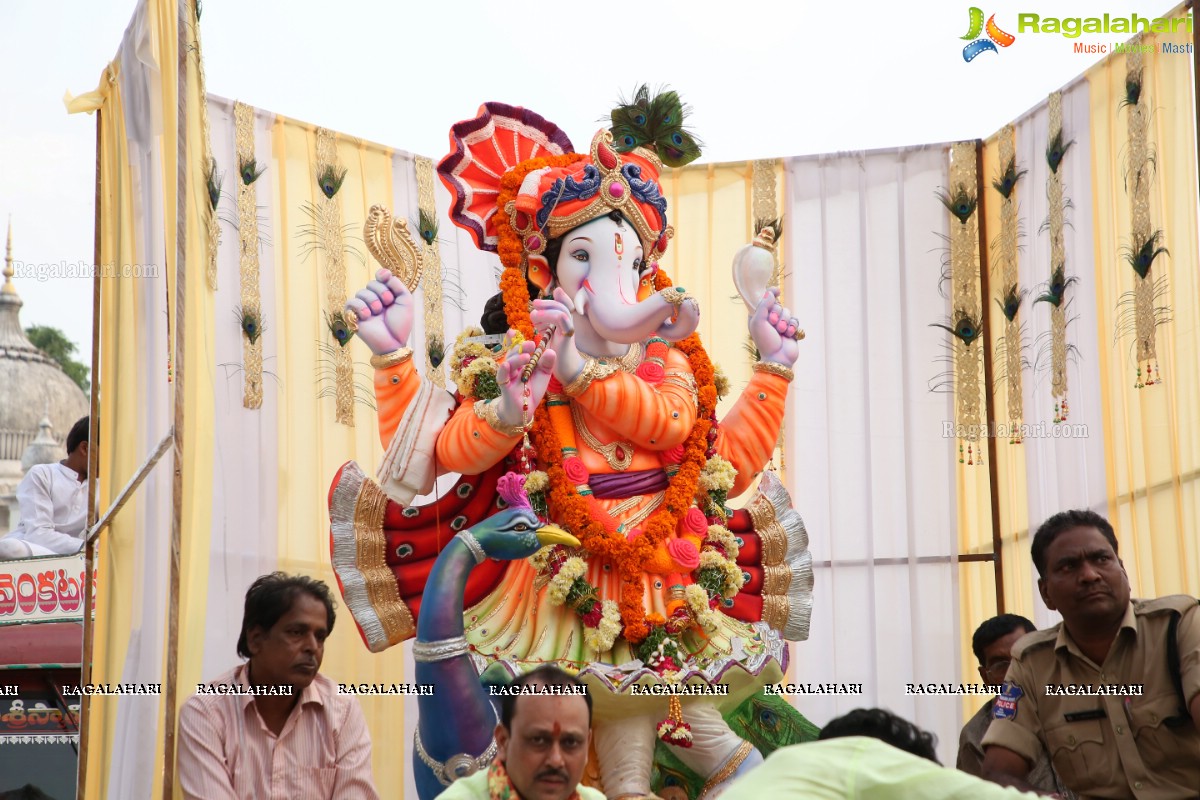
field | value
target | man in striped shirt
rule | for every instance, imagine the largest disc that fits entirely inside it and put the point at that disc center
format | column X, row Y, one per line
column 274, row 728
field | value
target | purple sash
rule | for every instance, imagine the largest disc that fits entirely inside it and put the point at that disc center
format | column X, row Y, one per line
column 620, row 485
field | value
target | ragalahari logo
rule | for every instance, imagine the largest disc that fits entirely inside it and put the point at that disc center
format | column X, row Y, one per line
column 995, row 36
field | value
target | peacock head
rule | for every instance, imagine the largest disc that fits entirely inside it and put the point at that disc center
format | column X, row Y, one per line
column 514, row 533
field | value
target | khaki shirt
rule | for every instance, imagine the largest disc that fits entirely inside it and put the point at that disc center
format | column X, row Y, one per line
column 1121, row 748
column 970, row 755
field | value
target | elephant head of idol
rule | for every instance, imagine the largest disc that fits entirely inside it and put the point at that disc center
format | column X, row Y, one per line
column 597, row 228
column 594, row 224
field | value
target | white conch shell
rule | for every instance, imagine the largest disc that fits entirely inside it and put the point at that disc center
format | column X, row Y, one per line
column 753, row 268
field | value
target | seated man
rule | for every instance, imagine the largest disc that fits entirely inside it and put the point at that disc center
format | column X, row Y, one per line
column 1113, row 691
column 542, row 745
column 53, row 499
column 871, row 754
column 992, row 643
column 274, row 726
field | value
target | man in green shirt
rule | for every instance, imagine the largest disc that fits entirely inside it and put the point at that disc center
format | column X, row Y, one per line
column 864, row 767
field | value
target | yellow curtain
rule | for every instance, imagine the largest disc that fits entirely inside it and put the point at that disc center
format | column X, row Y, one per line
column 711, row 207
column 1153, row 434
column 312, row 446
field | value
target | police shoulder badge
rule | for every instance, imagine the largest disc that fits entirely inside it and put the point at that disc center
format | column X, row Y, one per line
column 1005, row 706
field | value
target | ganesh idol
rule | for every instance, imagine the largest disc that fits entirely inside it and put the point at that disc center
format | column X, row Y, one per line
column 590, row 526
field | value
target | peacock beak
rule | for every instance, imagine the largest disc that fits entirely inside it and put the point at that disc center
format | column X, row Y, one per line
column 552, row 534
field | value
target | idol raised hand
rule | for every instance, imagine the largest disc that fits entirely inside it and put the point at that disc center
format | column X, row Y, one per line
column 775, row 331
column 384, row 309
column 517, row 398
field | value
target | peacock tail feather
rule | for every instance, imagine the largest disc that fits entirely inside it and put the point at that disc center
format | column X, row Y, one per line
column 250, row 170
column 1056, row 150
column 1142, row 257
column 966, row 327
column 1008, row 179
column 655, row 122
column 961, row 204
column 250, row 322
column 212, row 179
column 338, row 328
column 1011, row 302
column 1057, row 289
column 427, row 226
column 330, row 180
column 770, row 722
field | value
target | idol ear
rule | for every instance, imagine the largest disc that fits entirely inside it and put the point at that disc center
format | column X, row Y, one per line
column 538, row 271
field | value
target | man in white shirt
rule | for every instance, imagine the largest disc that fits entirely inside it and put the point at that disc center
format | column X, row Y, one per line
column 53, row 503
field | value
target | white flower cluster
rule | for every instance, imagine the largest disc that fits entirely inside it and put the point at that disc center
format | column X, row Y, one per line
column 536, row 481
column 560, row 584
column 602, row 637
column 733, row 573
column 697, row 601
column 717, row 475
column 724, row 537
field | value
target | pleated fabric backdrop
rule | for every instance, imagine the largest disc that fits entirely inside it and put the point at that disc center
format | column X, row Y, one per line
column 870, row 468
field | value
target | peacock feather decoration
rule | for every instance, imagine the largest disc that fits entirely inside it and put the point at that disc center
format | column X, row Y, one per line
column 1141, row 257
column 427, row 226
column 1056, row 290
column 655, row 122
column 1010, row 304
column 966, row 328
column 338, row 329
column 1056, row 150
column 212, row 180
column 250, row 170
column 250, row 322
column 1007, row 181
column 330, row 180
column 961, row 203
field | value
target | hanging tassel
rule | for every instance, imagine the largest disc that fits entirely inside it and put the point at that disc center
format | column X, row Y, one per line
column 970, row 457
column 960, row 454
column 673, row 730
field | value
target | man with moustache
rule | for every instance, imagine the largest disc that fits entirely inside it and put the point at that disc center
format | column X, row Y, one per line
column 1113, row 691
column 992, row 644
column 542, row 743
column 274, row 728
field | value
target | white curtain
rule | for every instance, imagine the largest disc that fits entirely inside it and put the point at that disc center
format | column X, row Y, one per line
column 870, row 468
column 1061, row 472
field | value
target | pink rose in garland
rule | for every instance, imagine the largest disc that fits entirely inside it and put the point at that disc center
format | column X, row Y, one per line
column 695, row 522
column 651, row 372
column 684, row 553
column 577, row 473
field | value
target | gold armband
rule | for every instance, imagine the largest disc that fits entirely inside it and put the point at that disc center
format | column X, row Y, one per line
column 775, row 369
column 389, row 360
column 489, row 413
column 593, row 370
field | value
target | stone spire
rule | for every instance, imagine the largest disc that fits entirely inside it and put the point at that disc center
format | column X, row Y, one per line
column 9, row 288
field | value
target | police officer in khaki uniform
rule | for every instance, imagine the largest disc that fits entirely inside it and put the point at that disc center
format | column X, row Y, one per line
column 1136, row 733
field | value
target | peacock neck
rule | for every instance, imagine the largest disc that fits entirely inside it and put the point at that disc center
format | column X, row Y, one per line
column 441, row 614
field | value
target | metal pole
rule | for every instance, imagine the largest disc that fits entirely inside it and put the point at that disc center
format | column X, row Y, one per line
column 988, row 378
column 181, row 208
column 89, row 558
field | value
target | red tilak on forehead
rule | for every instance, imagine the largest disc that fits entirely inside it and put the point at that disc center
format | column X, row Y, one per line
column 557, row 729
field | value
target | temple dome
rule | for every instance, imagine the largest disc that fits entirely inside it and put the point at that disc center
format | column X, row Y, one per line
column 32, row 384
